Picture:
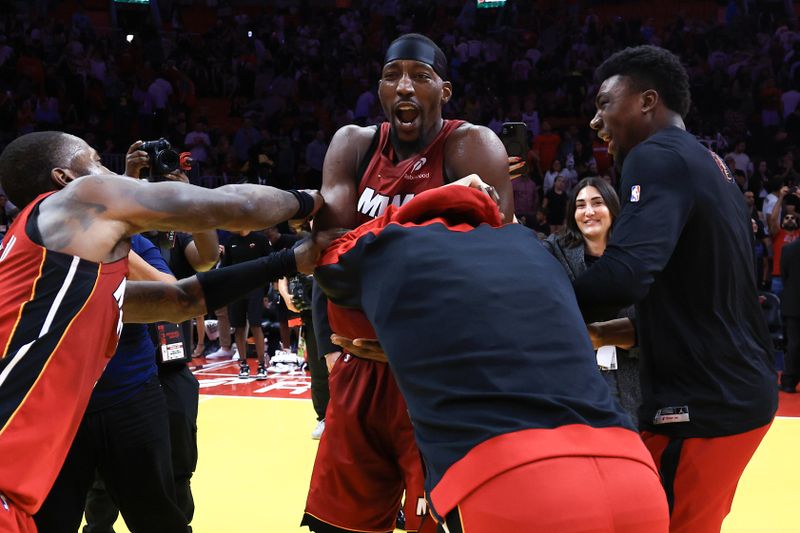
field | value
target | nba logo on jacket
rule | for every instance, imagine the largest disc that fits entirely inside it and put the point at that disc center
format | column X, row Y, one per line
column 635, row 191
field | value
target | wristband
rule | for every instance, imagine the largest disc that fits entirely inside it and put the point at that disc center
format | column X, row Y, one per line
column 306, row 202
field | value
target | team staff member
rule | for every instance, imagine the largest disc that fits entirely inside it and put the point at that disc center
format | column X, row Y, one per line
column 364, row 461
column 518, row 431
column 245, row 246
column 681, row 250
column 186, row 254
column 63, row 282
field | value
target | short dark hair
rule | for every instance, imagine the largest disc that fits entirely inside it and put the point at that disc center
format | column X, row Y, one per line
column 571, row 235
column 27, row 162
column 774, row 184
column 651, row 67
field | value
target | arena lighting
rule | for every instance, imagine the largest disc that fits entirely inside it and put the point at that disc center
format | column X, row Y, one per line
column 249, row 33
column 129, row 37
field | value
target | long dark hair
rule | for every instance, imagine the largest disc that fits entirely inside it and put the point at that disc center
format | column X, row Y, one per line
column 571, row 235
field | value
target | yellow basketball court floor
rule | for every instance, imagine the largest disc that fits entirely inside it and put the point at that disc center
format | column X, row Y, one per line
column 256, row 456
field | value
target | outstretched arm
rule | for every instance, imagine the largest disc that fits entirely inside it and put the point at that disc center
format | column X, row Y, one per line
column 774, row 220
column 94, row 213
column 153, row 301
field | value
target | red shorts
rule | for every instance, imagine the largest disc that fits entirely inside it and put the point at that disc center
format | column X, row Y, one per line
column 367, row 455
column 566, row 479
column 567, row 494
column 13, row 520
column 700, row 475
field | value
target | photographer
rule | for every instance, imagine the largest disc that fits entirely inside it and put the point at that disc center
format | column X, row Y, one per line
column 296, row 292
column 185, row 254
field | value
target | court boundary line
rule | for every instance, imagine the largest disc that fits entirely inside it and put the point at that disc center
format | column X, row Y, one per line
column 212, row 396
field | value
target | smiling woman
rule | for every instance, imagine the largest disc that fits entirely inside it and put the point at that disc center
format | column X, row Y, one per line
column 591, row 210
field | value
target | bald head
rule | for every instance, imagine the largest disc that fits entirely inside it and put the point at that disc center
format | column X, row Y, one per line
column 27, row 163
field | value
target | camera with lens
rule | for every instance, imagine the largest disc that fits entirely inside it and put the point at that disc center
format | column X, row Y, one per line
column 163, row 159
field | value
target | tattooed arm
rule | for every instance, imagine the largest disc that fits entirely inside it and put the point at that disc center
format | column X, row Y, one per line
column 153, row 301
column 93, row 215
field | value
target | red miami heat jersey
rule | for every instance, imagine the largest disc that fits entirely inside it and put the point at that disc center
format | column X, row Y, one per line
column 386, row 183
column 60, row 320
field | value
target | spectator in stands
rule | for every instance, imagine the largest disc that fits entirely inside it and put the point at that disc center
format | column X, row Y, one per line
column 546, row 145
column 787, row 172
column 555, row 202
column 570, row 173
column 160, row 91
column 246, row 137
column 740, row 177
column 365, row 104
column 743, row 161
column 530, row 116
column 783, row 229
column 771, row 200
column 539, row 223
column 198, row 143
column 592, row 208
column 550, row 176
column 758, row 182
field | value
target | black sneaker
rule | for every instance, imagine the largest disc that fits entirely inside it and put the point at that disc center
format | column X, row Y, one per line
column 262, row 373
column 244, row 370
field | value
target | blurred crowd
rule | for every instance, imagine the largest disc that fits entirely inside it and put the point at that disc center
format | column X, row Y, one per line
column 257, row 96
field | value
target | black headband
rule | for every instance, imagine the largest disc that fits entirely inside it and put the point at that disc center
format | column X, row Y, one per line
column 417, row 49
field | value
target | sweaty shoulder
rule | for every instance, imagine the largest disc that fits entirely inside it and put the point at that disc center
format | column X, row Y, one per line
column 470, row 144
column 472, row 149
column 471, row 133
column 352, row 141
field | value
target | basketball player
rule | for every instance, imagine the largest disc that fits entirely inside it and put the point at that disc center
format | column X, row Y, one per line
column 63, row 267
column 681, row 250
column 367, row 454
column 517, row 428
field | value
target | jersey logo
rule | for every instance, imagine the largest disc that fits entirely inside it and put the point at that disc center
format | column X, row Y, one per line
column 8, row 248
column 119, row 297
column 422, row 507
column 726, row 172
column 374, row 204
column 636, row 192
column 418, row 164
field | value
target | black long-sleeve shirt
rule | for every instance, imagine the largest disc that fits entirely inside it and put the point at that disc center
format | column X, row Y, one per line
column 681, row 250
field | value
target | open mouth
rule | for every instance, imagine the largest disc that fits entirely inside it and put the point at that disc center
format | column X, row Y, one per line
column 406, row 114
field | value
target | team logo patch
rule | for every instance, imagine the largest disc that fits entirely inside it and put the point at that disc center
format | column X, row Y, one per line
column 726, row 172
column 636, row 192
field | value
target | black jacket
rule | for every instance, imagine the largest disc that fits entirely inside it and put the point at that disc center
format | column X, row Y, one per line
column 790, row 273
